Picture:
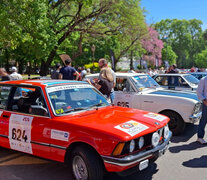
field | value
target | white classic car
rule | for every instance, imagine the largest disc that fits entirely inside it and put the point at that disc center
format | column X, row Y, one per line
column 178, row 82
column 140, row 91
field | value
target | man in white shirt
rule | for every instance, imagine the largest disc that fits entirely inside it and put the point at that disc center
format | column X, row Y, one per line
column 14, row 75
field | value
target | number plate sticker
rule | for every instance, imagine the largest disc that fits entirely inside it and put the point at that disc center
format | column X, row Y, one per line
column 143, row 165
column 20, row 133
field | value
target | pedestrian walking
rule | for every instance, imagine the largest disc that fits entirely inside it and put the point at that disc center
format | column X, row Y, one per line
column 68, row 72
column 4, row 75
column 55, row 73
column 202, row 95
column 15, row 75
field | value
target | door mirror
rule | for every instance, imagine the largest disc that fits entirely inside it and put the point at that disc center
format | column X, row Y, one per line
column 38, row 110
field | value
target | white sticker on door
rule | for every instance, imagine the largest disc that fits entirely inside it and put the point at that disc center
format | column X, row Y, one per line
column 20, row 133
column 59, row 135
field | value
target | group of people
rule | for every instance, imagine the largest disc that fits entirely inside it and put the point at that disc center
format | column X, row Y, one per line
column 68, row 72
column 13, row 76
column 105, row 82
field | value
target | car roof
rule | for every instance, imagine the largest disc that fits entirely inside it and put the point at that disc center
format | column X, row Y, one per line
column 120, row 74
column 42, row 83
column 172, row 74
column 197, row 73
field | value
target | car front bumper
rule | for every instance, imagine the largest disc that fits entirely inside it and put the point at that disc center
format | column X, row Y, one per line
column 195, row 118
column 114, row 164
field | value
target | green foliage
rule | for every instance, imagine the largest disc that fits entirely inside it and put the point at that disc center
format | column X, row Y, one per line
column 185, row 38
column 169, row 55
column 201, row 59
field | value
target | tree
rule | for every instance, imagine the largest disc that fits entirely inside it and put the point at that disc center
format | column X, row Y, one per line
column 201, row 59
column 40, row 29
column 153, row 47
column 168, row 54
column 185, row 38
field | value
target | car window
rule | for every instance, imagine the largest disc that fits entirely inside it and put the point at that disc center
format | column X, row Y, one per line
column 68, row 98
column 4, row 96
column 173, row 81
column 182, row 82
column 162, row 80
column 29, row 100
column 122, row 84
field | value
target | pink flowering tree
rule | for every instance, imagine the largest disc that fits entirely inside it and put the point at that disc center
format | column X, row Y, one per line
column 153, row 47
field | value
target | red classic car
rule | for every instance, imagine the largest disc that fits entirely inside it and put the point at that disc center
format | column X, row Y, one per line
column 72, row 122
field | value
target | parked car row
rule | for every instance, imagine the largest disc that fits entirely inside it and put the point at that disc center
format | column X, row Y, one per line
column 140, row 91
column 72, row 122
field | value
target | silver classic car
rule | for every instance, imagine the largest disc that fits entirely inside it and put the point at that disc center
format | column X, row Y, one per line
column 143, row 92
column 180, row 82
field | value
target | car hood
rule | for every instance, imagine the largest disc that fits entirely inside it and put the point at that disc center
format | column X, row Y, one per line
column 189, row 95
column 123, row 123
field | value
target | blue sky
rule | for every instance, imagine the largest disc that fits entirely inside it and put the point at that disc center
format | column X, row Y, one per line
column 175, row 9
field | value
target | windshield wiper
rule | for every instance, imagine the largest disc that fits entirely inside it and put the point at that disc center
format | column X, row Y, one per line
column 97, row 105
column 75, row 109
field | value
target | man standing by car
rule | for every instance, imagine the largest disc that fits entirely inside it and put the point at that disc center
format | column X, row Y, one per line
column 68, row 72
column 105, row 81
column 15, row 75
column 202, row 95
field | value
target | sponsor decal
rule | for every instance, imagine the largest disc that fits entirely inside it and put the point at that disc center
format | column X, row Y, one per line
column 59, row 135
column 157, row 117
column 60, row 88
column 1, row 112
column 20, row 133
column 132, row 127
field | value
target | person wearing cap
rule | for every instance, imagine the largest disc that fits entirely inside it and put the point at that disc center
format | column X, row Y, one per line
column 14, row 75
column 68, row 72
column 4, row 75
column 55, row 73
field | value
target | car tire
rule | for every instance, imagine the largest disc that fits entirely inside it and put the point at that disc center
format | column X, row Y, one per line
column 86, row 165
column 176, row 124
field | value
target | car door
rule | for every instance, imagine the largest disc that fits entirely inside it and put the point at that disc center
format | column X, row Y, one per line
column 28, row 128
column 5, row 92
column 124, row 92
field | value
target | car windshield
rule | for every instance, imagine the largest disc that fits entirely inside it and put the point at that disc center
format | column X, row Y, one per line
column 145, row 81
column 191, row 79
column 70, row 98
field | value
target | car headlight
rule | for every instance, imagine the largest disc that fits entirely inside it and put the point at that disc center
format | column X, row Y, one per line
column 132, row 146
column 166, row 132
column 197, row 108
column 155, row 139
column 141, row 142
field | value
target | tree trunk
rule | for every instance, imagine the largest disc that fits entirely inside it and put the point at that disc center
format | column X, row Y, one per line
column 45, row 65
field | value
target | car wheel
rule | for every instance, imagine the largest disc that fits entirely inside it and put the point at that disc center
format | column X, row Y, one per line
column 176, row 124
column 86, row 165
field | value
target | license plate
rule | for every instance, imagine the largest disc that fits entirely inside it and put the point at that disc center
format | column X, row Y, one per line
column 144, row 164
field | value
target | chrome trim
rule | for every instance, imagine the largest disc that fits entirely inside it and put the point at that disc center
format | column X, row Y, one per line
column 133, row 159
column 40, row 143
column 195, row 117
column 49, row 145
column 4, row 136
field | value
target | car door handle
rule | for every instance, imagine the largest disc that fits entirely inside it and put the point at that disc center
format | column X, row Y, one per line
column 6, row 116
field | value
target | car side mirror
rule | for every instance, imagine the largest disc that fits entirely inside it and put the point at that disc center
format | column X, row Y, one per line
column 38, row 110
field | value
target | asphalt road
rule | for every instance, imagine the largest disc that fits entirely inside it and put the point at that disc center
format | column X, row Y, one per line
column 185, row 160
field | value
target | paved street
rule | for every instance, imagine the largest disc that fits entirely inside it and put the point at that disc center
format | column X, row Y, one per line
column 185, row 160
